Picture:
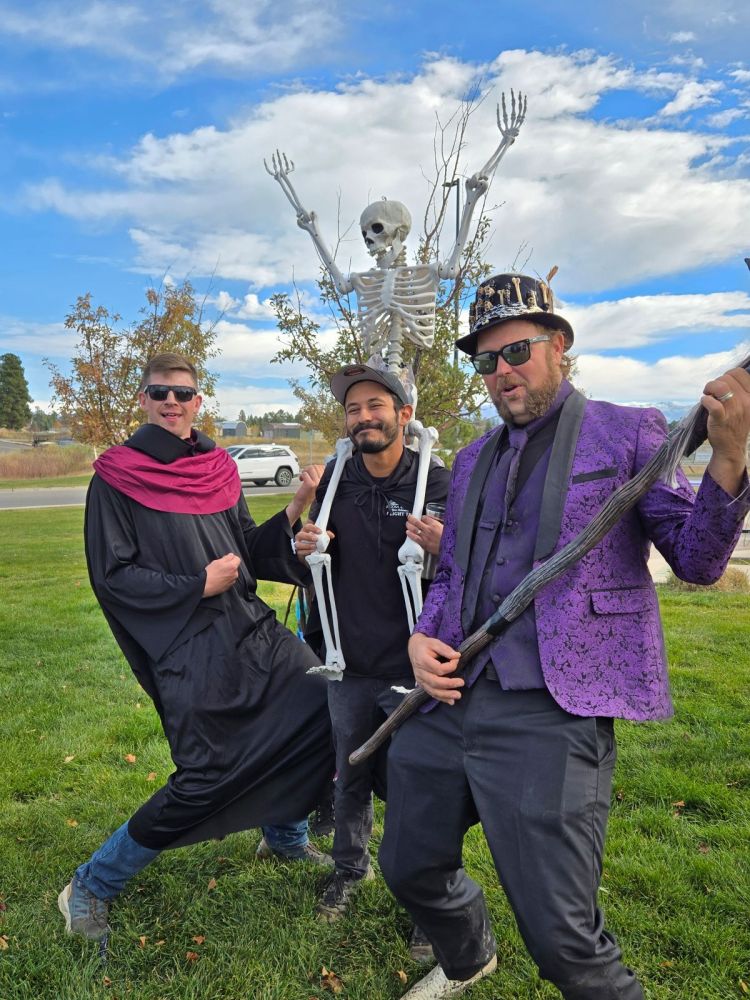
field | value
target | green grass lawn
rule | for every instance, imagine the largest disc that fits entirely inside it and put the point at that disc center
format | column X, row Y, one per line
column 210, row 922
column 46, row 483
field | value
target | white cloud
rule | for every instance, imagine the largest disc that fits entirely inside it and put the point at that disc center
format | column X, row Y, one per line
column 678, row 380
column 254, row 400
column 157, row 38
column 723, row 118
column 741, row 75
column 683, row 36
column 693, row 94
column 588, row 195
column 40, row 339
column 646, row 319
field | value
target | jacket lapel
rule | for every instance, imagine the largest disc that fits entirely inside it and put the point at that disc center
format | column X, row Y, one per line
column 468, row 514
column 558, row 474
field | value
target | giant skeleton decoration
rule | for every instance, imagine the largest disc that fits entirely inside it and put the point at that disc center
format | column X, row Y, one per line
column 394, row 300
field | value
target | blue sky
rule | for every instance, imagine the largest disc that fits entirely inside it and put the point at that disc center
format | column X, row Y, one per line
column 133, row 133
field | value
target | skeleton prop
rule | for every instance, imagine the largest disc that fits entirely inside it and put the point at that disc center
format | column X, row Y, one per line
column 394, row 300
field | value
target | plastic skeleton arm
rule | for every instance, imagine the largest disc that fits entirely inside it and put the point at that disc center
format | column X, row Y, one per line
column 411, row 555
column 478, row 184
column 282, row 167
column 320, row 567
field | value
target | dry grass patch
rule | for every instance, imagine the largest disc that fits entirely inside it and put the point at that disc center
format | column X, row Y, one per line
column 733, row 581
column 46, row 462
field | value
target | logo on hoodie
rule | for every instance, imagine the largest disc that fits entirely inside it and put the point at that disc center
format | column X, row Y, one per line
column 394, row 509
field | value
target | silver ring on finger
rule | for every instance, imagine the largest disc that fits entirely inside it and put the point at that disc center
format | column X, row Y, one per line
column 725, row 397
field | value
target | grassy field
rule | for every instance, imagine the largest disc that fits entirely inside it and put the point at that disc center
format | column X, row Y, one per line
column 82, row 748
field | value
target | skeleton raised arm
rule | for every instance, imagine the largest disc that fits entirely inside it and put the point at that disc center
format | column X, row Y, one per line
column 280, row 169
column 478, row 184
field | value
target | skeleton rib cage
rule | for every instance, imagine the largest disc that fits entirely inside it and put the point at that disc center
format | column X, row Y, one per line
column 405, row 292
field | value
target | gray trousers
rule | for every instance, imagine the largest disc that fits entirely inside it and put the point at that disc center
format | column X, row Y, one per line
column 358, row 705
column 539, row 781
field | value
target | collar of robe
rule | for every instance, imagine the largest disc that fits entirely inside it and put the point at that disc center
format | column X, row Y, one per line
column 164, row 472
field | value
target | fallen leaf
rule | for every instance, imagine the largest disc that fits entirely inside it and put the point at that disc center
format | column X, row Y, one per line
column 212, row 883
column 142, row 941
column 160, row 943
column 744, row 987
column 619, row 795
column 130, row 758
column 70, row 757
column 192, row 956
column 704, row 848
column 107, row 981
column 402, row 975
column 151, row 776
column 679, row 805
column 666, row 965
column 330, row 981
column 199, row 938
column 3, row 942
column 72, row 822
column 3, row 906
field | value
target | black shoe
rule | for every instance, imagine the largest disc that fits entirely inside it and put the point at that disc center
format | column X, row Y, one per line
column 420, row 948
column 323, row 821
column 337, row 891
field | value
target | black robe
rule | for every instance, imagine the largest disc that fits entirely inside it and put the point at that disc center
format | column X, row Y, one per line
column 248, row 730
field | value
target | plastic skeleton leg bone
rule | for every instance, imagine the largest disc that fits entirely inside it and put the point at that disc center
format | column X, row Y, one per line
column 320, row 567
column 411, row 555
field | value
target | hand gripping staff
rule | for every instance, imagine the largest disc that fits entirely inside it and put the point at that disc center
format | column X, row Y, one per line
column 682, row 440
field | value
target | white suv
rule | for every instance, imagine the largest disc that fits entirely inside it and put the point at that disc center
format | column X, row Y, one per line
column 257, row 463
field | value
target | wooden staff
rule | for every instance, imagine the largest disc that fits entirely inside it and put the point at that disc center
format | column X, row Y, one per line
column 682, row 440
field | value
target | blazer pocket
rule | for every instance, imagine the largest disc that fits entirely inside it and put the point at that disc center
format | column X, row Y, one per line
column 625, row 601
column 587, row 477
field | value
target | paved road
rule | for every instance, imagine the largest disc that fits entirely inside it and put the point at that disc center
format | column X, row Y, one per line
column 6, row 445
column 75, row 496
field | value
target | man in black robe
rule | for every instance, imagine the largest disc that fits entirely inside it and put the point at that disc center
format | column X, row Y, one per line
column 173, row 557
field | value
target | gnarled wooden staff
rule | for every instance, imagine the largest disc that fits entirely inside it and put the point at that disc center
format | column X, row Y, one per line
column 682, row 440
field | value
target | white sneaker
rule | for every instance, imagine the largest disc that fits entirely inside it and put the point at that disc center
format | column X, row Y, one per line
column 437, row 986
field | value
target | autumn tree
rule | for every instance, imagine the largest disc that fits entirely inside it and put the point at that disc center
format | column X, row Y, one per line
column 99, row 398
column 450, row 393
column 15, row 412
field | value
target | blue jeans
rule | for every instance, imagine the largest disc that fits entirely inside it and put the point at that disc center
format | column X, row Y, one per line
column 119, row 858
column 109, row 869
column 286, row 838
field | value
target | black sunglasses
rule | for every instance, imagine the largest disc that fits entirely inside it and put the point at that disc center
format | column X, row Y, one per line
column 517, row 353
column 182, row 393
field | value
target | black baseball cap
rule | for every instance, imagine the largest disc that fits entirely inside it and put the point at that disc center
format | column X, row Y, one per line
column 343, row 380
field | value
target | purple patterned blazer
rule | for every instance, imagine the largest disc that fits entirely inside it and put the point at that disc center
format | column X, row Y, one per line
column 598, row 626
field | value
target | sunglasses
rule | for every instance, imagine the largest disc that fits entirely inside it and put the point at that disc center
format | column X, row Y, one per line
column 182, row 393
column 517, row 353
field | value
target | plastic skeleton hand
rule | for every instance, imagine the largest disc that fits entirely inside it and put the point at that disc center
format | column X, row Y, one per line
column 478, row 184
column 280, row 169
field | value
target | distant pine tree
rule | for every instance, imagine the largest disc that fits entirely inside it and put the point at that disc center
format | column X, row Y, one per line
column 15, row 412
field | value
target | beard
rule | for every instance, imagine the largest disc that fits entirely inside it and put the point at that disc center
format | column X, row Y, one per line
column 371, row 446
column 537, row 401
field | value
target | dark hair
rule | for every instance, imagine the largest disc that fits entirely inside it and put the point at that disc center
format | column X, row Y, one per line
column 168, row 362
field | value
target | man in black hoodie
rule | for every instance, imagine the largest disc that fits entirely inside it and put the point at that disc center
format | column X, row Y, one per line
column 370, row 520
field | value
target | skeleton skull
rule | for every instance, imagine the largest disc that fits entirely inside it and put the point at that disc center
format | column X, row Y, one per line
column 382, row 224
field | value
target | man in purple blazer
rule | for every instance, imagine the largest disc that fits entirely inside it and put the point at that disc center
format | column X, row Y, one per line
column 525, row 743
